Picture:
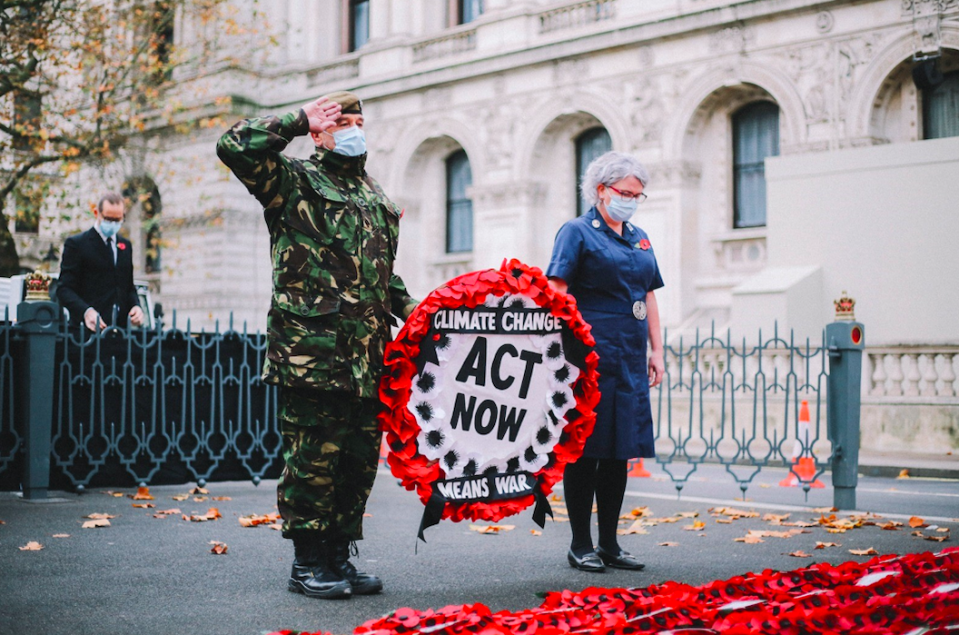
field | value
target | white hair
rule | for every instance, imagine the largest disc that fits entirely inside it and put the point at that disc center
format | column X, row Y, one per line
column 609, row 168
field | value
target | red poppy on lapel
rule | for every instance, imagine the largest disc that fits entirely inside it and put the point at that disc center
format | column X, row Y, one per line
column 121, row 246
column 644, row 244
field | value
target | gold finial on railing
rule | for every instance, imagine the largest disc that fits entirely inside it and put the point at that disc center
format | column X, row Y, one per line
column 845, row 307
column 38, row 287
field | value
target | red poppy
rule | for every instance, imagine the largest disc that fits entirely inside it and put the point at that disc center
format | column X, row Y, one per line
column 121, row 246
column 414, row 470
column 644, row 244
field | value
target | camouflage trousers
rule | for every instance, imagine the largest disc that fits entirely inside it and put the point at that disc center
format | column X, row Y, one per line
column 331, row 447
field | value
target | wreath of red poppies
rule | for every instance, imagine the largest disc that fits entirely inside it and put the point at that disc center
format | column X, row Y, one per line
column 470, row 291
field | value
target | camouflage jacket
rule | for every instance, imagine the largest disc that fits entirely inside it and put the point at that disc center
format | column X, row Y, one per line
column 333, row 237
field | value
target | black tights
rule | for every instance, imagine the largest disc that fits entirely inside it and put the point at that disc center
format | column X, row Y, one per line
column 606, row 478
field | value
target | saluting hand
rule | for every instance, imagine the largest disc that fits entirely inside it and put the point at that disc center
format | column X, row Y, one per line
column 322, row 114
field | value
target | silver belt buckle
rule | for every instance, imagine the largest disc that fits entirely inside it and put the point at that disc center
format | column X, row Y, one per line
column 639, row 310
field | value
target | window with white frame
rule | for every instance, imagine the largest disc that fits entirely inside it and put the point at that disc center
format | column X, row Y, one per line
column 459, row 208
column 940, row 108
column 755, row 137
column 359, row 23
column 589, row 145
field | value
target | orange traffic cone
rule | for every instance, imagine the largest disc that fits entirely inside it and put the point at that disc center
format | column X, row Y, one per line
column 803, row 469
column 636, row 469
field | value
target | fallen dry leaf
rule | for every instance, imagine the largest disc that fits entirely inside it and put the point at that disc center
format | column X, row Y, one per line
column 776, row 519
column 199, row 499
column 724, row 521
column 937, row 538
column 825, row 545
column 891, row 525
column 687, row 514
column 733, row 512
column 144, row 505
column 656, row 521
column 800, row 554
column 638, row 512
column 696, row 526
column 638, row 527
column 180, row 497
column 143, row 494
column 915, row 522
column 114, row 494
column 367, row 515
column 93, row 524
column 199, row 490
column 864, row 552
column 556, row 498
column 61, row 535
column 800, row 523
column 944, row 530
column 749, row 540
column 536, row 532
column 212, row 514
column 824, row 510
column 276, row 526
column 99, row 516
column 33, row 545
column 221, row 498
column 219, row 548
column 903, row 474
column 668, row 544
column 491, row 529
column 254, row 520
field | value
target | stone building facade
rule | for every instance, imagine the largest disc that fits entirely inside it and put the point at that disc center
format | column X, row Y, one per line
column 480, row 116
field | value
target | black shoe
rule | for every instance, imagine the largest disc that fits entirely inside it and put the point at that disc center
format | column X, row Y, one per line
column 590, row 562
column 361, row 583
column 312, row 575
column 621, row 560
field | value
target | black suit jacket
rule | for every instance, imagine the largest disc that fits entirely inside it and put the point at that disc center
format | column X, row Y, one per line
column 88, row 278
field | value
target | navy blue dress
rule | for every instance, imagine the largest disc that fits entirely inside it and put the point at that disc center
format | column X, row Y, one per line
column 610, row 275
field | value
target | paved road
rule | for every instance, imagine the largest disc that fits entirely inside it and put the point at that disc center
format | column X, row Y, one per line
column 147, row 575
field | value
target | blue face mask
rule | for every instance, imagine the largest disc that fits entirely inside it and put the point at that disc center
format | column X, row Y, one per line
column 109, row 228
column 350, row 141
column 619, row 209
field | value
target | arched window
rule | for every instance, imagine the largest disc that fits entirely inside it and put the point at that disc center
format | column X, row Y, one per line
column 755, row 137
column 940, row 108
column 359, row 23
column 459, row 209
column 589, row 145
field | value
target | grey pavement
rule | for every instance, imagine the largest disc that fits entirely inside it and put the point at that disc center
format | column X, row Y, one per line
column 147, row 575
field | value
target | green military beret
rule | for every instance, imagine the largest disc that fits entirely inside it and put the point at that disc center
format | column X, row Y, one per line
column 349, row 102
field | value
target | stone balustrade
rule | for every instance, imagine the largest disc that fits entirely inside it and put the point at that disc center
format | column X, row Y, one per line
column 444, row 46
column 897, row 372
column 575, row 15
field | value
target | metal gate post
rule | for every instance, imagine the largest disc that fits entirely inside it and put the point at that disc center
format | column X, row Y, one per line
column 39, row 322
column 845, row 339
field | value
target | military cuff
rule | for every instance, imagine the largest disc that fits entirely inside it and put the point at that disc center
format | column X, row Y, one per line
column 296, row 123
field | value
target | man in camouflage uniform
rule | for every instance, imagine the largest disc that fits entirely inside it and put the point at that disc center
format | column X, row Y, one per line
column 333, row 235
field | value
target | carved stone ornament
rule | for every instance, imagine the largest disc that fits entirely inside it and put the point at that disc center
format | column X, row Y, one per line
column 845, row 308
column 825, row 21
column 38, row 287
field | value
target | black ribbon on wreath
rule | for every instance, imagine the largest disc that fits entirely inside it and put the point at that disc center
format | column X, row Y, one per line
column 469, row 489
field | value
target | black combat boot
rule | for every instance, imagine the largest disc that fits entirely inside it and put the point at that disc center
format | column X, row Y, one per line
column 312, row 575
column 362, row 583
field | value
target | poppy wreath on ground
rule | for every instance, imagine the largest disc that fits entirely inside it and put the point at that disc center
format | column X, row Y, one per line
column 910, row 594
column 489, row 391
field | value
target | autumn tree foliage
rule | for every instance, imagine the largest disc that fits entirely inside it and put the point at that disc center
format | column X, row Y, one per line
column 80, row 79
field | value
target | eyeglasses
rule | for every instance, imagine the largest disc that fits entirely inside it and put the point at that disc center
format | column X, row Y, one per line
column 639, row 198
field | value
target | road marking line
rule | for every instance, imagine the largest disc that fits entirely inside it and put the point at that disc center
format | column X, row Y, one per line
column 796, row 508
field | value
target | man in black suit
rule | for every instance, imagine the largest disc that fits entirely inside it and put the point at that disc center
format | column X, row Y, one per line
column 96, row 273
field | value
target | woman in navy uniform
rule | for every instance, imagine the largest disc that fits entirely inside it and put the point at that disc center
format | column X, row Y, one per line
column 608, row 265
